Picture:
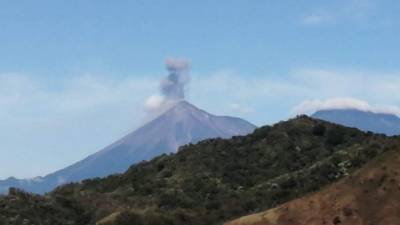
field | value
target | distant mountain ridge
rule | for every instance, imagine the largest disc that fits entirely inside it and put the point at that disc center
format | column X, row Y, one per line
column 182, row 124
column 383, row 123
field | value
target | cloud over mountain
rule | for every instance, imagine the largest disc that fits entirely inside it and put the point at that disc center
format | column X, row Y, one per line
column 311, row 106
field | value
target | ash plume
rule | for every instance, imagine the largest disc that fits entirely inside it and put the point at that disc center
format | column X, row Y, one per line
column 173, row 86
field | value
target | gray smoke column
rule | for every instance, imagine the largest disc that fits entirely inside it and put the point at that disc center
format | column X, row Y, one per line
column 173, row 86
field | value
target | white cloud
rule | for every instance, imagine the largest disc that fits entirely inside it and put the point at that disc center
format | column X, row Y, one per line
column 344, row 89
column 358, row 11
column 154, row 102
column 311, row 106
column 317, row 19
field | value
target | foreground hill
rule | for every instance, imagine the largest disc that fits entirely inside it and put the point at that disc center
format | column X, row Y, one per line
column 369, row 196
column 210, row 182
column 182, row 124
column 383, row 123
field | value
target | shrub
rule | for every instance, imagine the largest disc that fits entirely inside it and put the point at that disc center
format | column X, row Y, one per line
column 319, row 130
column 336, row 136
column 129, row 218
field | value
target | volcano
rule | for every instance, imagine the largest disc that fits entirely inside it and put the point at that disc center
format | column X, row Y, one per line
column 180, row 125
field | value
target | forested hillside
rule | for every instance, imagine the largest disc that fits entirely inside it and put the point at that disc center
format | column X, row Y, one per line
column 211, row 182
column 371, row 195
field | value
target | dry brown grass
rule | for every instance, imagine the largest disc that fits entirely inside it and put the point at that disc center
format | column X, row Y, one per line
column 370, row 196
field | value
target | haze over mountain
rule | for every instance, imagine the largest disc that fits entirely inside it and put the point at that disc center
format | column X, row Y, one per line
column 384, row 123
column 180, row 123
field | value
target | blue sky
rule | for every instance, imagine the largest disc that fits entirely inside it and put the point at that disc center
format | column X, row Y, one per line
column 75, row 75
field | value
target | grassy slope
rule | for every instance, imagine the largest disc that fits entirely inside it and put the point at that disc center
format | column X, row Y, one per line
column 369, row 196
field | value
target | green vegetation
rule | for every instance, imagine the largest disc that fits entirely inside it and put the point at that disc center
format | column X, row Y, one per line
column 21, row 208
column 212, row 181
